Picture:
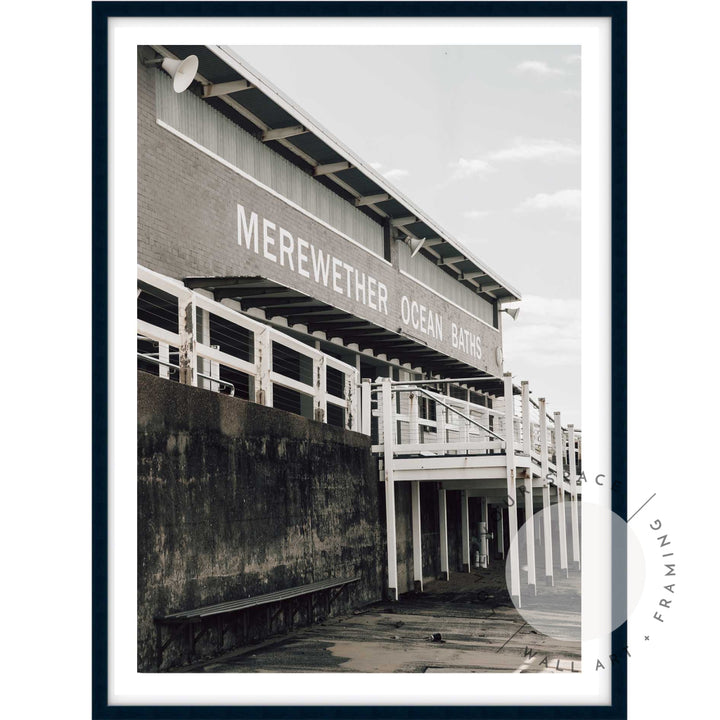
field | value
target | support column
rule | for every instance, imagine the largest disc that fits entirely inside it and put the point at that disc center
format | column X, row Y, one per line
column 444, row 560
column 562, row 528
column 511, row 490
column 465, row 520
column 501, row 532
column 547, row 506
column 573, row 499
column 528, row 486
column 417, row 537
column 484, row 546
column 388, row 461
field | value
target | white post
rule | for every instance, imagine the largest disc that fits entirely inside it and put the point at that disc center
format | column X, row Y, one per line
column 389, row 461
column 529, row 509
column 562, row 529
column 511, row 490
column 465, row 522
column 444, row 559
column 366, row 407
column 573, row 499
column 414, row 415
column 186, row 326
column 320, row 388
column 417, row 537
column 547, row 506
column 352, row 380
column 263, row 364
column 164, row 356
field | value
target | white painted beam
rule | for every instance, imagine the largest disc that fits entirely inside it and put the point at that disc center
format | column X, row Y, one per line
column 370, row 199
column 400, row 222
column 331, row 168
column 450, row 260
column 218, row 89
column 281, row 133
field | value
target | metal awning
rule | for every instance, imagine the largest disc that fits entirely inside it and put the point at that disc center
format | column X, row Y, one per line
column 232, row 87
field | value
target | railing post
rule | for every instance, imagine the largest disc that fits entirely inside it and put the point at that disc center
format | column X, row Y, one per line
column 562, row 527
column 351, row 400
column 388, row 462
column 511, row 490
column 529, row 507
column 186, row 327
column 547, row 507
column 366, row 407
column 320, row 388
column 263, row 363
column 573, row 499
column 414, row 415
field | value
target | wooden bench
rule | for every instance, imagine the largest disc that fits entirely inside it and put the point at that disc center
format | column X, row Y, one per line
column 288, row 602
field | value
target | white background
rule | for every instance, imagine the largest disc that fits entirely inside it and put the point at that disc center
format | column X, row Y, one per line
column 673, row 236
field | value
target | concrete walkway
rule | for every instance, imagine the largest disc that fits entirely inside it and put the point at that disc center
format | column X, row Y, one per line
column 466, row 624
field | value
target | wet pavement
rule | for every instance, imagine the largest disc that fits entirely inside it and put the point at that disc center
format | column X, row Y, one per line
column 466, row 624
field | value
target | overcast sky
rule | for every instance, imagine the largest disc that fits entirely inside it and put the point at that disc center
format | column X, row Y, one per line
column 486, row 141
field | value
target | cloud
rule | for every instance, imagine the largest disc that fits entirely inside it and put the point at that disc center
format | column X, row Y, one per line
column 376, row 165
column 572, row 59
column 538, row 67
column 396, row 173
column 547, row 332
column 550, row 150
column 474, row 214
column 466, row 168
column 567, row 200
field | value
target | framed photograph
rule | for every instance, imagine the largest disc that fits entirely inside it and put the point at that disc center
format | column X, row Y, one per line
column 373, row 424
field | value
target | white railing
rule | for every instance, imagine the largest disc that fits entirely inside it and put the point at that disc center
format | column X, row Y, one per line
column 424, row 422
column 186, row 337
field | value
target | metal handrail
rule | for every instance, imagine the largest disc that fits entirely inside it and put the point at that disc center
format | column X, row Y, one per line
column 434, row 397
column 150, row 358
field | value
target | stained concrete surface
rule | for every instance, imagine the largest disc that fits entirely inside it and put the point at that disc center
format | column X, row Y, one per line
column 480, row 631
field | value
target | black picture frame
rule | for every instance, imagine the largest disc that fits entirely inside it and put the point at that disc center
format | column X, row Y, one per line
column 102, row 12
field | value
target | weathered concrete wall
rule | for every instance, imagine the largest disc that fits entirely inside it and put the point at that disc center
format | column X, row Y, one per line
column 236, row 499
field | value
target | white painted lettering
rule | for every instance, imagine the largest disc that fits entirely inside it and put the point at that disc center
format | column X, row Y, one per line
column 303, row 246
column 249, row 230
column 321, row 265
column 372, row 282
column 268, row 239
column 359, row 286
column 286, row 248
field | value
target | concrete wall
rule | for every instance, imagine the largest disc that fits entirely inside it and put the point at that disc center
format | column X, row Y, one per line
column 236, row 499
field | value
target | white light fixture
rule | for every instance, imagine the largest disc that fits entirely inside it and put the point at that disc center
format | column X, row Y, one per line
column 415, row 244
column 512, row 312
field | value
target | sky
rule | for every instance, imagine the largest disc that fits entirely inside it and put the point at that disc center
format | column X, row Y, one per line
column 486, row 141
